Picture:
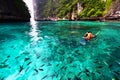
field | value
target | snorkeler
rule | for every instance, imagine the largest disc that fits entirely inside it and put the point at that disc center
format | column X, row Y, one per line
column 88, row 36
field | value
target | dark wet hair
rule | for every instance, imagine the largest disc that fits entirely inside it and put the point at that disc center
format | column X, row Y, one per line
column 85, row 35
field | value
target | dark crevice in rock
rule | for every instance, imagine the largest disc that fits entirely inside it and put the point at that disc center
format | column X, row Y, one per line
column 14, row 10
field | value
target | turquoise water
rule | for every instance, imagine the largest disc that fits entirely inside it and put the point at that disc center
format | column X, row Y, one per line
column 52, row 51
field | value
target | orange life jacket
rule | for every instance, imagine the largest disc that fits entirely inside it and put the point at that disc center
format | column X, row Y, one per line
column 89, row 36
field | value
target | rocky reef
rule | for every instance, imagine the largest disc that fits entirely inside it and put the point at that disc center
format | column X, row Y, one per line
column 14, row 10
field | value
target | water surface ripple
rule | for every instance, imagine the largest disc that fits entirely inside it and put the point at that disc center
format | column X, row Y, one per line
column 51, row 50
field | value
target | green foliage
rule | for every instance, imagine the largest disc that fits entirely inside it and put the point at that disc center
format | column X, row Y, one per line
column 107, row 6
column 98, row 13
column 92, row 8
column 91, row 12
column 59, row 8
column 64, row 8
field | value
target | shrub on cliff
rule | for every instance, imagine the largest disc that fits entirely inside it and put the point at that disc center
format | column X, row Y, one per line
column 92, row 8
column 99, row 13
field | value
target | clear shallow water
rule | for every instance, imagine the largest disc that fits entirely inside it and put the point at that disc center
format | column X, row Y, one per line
column 52, row 51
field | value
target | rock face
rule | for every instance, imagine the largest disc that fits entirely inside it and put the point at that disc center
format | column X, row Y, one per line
column 39, row 9
column 76, row 10
column 44, row 9
column 14, row 10
column 114, row 12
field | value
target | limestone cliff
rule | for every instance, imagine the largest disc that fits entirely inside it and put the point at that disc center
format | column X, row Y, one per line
column 114, row 11
column 13, row 10
column 77, row 9
column 39, row 8
column 45, row 9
